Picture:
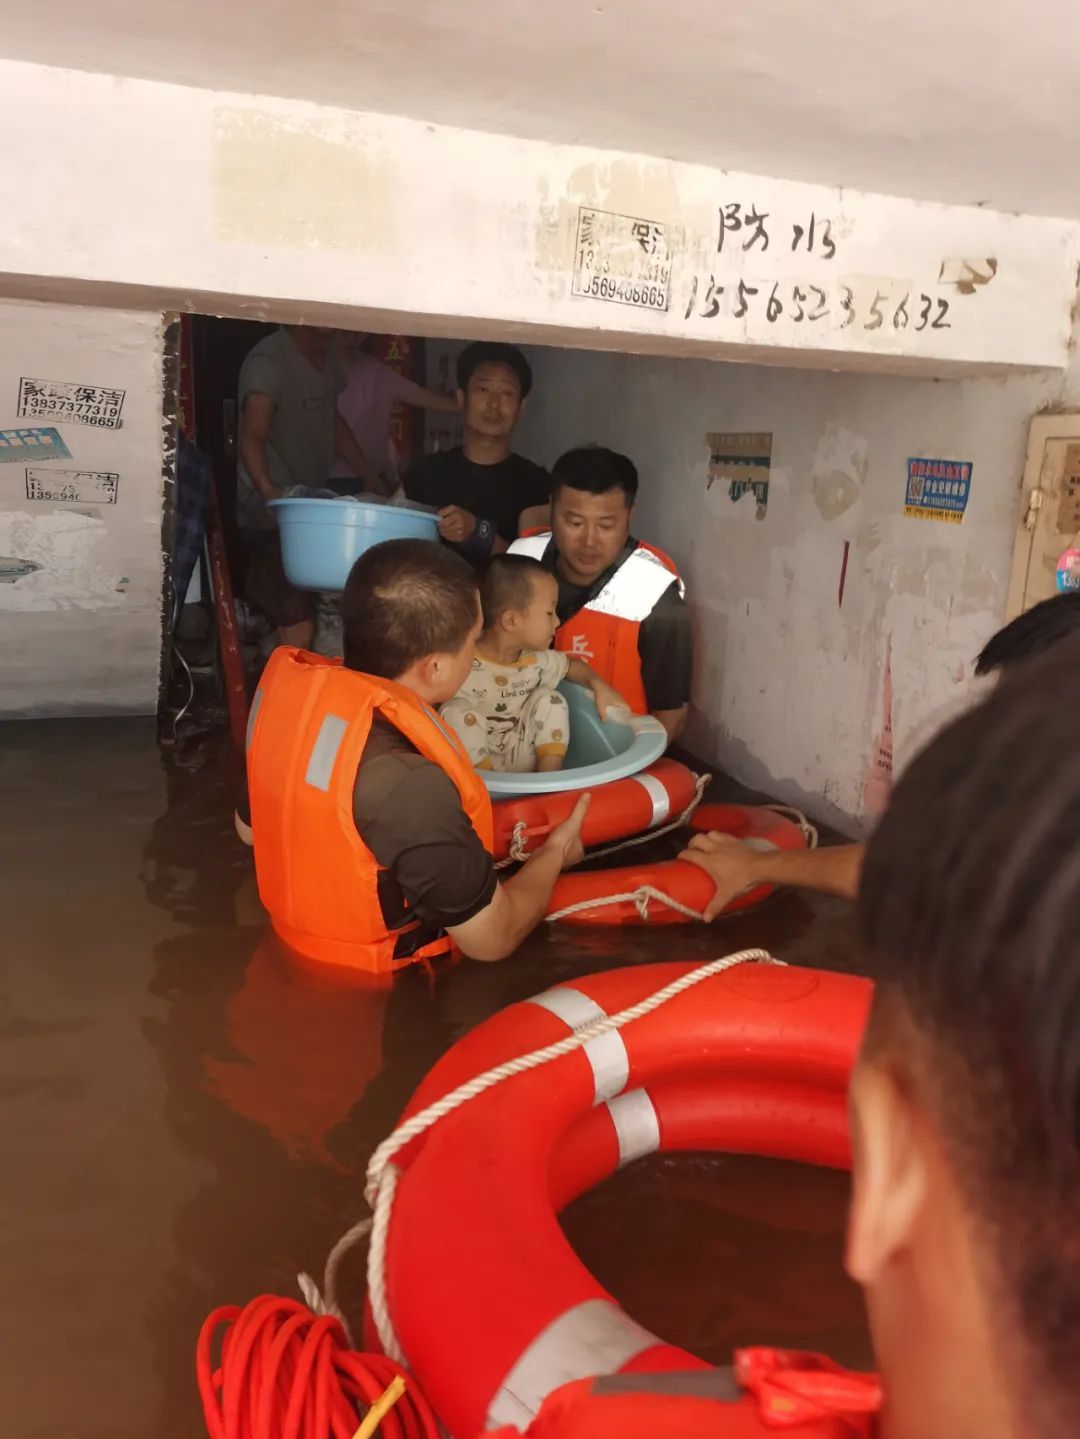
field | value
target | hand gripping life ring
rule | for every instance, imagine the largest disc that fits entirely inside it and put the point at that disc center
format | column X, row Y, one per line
column 489, row 1305
column 671, row 891
column 623, row 807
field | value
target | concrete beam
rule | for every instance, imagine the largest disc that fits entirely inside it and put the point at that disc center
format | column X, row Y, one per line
column 188, row 198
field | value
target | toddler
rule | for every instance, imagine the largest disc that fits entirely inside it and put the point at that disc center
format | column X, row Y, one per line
column 508, row 713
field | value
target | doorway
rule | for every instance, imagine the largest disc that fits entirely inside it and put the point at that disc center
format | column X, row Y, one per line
column 1046, row 552
column 220, row 639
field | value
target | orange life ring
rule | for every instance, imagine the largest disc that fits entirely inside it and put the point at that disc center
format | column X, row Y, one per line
column 491, row 1306
column 635, row 894
column 624, row 807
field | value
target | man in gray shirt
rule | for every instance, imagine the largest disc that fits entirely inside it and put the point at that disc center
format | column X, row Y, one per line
column 290, row 434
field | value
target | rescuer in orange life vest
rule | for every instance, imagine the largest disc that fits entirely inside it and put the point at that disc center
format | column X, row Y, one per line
column 621, row 602
column 964, row 1230
column 372, row 830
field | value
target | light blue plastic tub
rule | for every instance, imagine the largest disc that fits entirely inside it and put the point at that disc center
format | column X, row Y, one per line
column 321, row 539
column 599, row 752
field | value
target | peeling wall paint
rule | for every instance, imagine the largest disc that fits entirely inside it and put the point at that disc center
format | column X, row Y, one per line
column 790, row 683
column 80, row 632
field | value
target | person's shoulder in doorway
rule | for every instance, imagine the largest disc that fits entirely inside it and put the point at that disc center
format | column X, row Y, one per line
column 265, row 367
column 277, row 367
column 370, row 380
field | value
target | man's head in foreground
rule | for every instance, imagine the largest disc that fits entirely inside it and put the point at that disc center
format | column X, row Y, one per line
column 411, row 613
column 965, row 1223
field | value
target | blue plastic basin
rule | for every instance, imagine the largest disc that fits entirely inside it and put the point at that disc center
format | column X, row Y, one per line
column 321, row 539
column 599, row 751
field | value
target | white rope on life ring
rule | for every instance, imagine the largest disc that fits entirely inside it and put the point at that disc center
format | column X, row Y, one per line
column 382, row 1173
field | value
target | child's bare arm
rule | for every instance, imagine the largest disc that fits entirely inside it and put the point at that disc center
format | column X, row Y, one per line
column 605, row 695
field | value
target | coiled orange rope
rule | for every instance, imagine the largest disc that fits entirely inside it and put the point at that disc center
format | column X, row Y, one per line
column 285, row 1373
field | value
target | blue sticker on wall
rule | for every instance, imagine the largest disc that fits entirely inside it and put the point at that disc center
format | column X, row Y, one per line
column 19, row 446
column 1068, row 571
column 937, row 489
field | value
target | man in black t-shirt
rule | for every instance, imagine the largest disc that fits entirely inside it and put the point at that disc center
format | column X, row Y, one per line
column 621, row 605
column 484, row 493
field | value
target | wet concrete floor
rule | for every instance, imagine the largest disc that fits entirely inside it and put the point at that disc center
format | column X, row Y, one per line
column 185, row 1120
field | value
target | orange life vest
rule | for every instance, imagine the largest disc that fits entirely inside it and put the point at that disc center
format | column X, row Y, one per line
column 309, row 722
column 769, row 1392
column 604, row 632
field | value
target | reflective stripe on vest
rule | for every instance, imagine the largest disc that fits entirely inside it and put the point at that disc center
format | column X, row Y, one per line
column 633, row 590
column 718, row 1384
column 594, row 1337
column 532, row 545
column 256, row 704
column 324, row 752
column 635, row 587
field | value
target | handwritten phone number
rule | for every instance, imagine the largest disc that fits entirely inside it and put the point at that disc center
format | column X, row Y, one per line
column 811, row 303
column 628, row 292
column 104, row 415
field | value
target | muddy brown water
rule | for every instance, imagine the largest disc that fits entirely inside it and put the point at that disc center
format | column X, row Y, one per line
column 186, row 1119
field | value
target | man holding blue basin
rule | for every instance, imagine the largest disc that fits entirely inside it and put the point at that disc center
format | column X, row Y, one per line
column 621, row 606
column 485, row 494
column 372, row 830
column 290, row 434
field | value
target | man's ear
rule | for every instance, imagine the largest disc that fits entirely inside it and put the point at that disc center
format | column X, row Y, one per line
column 889, row 1172
column 431, row 671
column 461, row 398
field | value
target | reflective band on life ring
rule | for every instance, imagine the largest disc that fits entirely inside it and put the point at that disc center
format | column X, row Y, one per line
column 637, row 1127
column 661, row 800
column 634, row 894
column 491, row 1306
column 606, row 1053
column 616, row 810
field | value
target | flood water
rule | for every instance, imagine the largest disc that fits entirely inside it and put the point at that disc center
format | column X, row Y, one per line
column 186, row 1119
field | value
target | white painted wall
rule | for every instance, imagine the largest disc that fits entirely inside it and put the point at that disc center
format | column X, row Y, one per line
column 176, row 198
column 789, row 686
column 81, row 632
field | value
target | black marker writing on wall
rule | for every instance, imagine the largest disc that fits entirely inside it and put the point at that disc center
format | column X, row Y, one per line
column 735, row 218
column 809, row 304
column 743, row 305
column 817, row 234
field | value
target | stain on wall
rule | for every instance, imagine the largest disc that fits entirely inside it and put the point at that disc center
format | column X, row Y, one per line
column 301, row 182
column 839, row 471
